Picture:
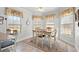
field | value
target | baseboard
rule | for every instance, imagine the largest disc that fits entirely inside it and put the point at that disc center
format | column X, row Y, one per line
column 23, row 39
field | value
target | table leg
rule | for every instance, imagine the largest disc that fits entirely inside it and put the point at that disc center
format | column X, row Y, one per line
column 42, row 42
column 36, row 40
column 33, row 37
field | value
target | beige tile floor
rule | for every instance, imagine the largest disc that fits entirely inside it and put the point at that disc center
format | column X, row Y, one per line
column 23, row 47
column 28, row 46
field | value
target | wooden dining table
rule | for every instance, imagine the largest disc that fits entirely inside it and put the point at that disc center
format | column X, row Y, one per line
column 42, row 30
column 45, row 32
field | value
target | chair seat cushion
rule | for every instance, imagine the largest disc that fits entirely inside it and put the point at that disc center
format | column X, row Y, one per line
column 41, row 36
column 7, row 43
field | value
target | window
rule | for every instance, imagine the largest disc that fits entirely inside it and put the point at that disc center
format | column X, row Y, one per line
column 13, row 19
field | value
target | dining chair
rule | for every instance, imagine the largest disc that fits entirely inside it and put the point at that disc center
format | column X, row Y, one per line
column 40, row 36
column 8, row 43
column 35, row 33
column 52, row 37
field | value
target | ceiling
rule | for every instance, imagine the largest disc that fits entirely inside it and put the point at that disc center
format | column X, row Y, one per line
column 35, row 10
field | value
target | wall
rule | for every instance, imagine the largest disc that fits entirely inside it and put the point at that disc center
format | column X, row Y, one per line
column 2, row 26
column 26, row 30
column 77, row 34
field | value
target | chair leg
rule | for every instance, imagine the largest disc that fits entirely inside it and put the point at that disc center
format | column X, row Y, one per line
column 42, row 43
column 55, row 43
column 36, row 41
column 14, row 48
column 49, row 40
column 50, row 44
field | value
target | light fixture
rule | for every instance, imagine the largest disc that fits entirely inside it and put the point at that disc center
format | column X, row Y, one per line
column 41, row 9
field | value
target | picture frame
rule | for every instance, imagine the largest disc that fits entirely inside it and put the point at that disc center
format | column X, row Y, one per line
column 1, row 19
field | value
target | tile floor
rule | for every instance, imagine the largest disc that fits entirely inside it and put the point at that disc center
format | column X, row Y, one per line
column 28, row 46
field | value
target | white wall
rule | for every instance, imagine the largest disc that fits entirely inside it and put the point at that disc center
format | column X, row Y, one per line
column 2, row 26
column 26, row 30
column 77, row 34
